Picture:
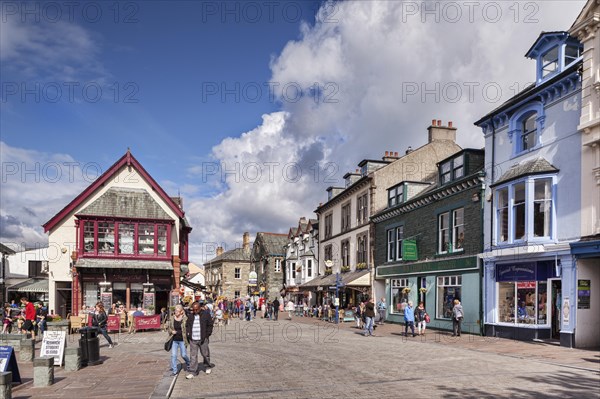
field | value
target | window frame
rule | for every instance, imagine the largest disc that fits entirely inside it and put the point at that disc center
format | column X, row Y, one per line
column 362, row 253
column 346, row 216
column 345, row 252
column 277, row 266
column 516, row 133
column 451, row 174
column 450, row 230
column 399, row 242
column 442, row 282
column 391, row 242
column 362, row 207
column 237, row 273
column 398, row 284
column 328, row 221
column 529, row 234
column 395, row 195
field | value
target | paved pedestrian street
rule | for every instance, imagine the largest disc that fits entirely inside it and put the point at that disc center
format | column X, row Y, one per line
column 305, row 359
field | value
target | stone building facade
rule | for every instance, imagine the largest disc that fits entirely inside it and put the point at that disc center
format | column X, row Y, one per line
column 268, row 254
column 228, row 273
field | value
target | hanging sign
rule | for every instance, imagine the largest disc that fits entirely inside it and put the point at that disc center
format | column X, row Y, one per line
column 583, row 294
column 252, row 278
column 409, row 250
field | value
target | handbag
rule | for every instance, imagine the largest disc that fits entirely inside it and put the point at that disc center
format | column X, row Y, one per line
column 169, row 343
column 427, row 318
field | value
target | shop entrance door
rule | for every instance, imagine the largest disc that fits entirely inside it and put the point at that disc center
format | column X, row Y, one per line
column 556, row 307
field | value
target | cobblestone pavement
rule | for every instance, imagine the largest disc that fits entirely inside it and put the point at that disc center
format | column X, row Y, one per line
column 306, row 359
column 135, row 368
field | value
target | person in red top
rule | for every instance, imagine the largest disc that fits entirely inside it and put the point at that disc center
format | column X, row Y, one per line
column 29, row 317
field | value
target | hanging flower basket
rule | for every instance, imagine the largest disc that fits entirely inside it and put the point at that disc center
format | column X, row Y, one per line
column 423, row 290
column 345, row 269
column 328, row 271
column 406, row 290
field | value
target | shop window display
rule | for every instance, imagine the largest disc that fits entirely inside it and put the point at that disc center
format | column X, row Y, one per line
column 400, row 293
column 448, row 289
column 522, row 302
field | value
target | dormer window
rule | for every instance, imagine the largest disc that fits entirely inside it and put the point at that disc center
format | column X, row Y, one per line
column 452, row 169
column 396, row 195
column 572, row 53
column 550, row 62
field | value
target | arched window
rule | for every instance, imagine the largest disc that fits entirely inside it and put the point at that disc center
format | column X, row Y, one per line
column 528, row 132
column 525, row 127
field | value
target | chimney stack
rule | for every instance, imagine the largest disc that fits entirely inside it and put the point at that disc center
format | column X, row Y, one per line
column 219, row 251
column 438, row 132
column 390, row 156
column 246, row 241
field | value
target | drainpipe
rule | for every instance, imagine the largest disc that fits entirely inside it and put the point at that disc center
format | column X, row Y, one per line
column 482, row 265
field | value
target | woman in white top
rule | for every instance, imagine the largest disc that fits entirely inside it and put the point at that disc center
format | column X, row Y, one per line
column 290, row 308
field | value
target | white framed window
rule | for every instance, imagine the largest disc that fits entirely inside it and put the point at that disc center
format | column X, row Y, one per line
column 309, row 268
column 277, row 265
column 452, row 169
column 399, row 295
column 238, row 273
column 396, row 195
column 328, row 225
column 361, row 248
column 448, row 289
column 346, row 209
column 523, row 302
column 550, row 61
column 390, row 245
column 399, row 239
column 293, row 271
column 362, row 210
column 451, row 231
column 345, row 253
column 524, row 210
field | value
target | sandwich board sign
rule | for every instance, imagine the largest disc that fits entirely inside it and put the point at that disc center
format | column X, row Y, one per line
column 8, row 362
column 53, row 345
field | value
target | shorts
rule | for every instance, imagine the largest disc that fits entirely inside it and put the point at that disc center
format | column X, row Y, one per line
column 27, row 325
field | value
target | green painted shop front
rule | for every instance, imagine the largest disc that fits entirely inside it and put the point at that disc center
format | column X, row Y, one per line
column 436, row 283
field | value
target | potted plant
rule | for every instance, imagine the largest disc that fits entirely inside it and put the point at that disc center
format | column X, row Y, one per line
column 361, row 266
column 328, row 271
column 151, row 309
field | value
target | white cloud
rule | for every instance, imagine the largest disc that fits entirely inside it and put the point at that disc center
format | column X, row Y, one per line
column 372, row 54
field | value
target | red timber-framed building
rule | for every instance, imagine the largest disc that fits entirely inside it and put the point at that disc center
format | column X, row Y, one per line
column 122, row 239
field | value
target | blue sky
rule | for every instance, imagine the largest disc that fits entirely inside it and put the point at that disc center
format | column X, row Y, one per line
column 384, row 70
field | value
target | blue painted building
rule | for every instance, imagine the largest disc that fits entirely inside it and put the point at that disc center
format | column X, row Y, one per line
column 532, row 209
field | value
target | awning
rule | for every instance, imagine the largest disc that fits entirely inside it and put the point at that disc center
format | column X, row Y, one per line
column 123, row 264
column 350, row 279
column 31, row 285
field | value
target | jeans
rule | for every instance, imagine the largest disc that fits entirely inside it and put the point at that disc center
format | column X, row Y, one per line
column 276, row 313
column 410, row 324
column 369, row 326
column 174, row 362
column 105, row 333
column 381, row 316
column 421, row 326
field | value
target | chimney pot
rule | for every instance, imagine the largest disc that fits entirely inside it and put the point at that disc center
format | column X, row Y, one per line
column 439, row 123
column 357, row 170
column 387, row 153
column 450, row 124
column 433, row 122
column 396, row 153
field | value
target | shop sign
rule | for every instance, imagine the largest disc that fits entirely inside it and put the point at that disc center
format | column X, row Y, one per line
column 53, row 345
column 583, row 294
column 8, row 362
column 147, row 322
column 113, row 323
column 409, row 250
column 252, row 278
column 106, row 299
column 526, row 285
column 516, row 272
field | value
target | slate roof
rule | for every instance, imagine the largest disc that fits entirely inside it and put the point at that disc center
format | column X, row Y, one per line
column 526, row 168
column 273, row 243
column 128, row 203
column 237, row 254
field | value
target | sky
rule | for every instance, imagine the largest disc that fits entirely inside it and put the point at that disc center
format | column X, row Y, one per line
column 248, row 110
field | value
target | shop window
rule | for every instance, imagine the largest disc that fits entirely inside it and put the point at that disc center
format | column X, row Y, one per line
column 399, row 294
column 91, row 294
column 448, row 289
column 523, row 302
column 137, row 295
column 532, row 196
column 99, row 238
column 238, row 273
column 119, row 292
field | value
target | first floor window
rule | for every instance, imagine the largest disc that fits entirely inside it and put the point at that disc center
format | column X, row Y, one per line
column 390, row 245
column 293, row 270
column 361, row 254
column 451, row 231
column 444, row 233
column 448, row 289
column 346, row 253
column 277, row 265
column 328, row 253
column 399, row 238
column 399, row 294
column 236, row 294
column 309, row 268
column 523, row 302
column 238, row 273
column 88, row 237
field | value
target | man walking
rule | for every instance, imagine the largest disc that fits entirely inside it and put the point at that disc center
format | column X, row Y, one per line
column 381, row 309
column 28, row 325
column 409, row 319
column 276, row 309
column 369, row 317
column 198, row 329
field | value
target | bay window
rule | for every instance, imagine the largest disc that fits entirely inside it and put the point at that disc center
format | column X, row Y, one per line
column 125, row 238
column 524, row 210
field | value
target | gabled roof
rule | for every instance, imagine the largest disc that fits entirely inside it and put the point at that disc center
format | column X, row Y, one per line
column 6, row 250
column 542, row 41
column 272, row 242
column 126, row 160
column 237, row 254
column 528, row 168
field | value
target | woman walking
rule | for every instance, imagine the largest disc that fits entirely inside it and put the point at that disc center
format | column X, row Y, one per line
column 174, row 327
column 99, row 320
column 457, row 317
column 420, row 318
